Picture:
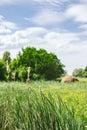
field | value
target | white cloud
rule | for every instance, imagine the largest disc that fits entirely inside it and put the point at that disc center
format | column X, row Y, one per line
column 38, row 37
column 60, row 39
column 84, row 26
column 6, row 26
column 77, row 12
column 22, row 38
column 4, row 30
column 47, row 17
column 35, row 34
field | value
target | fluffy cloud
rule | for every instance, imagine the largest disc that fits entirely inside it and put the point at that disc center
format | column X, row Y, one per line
column 77, row 12
column 38, row 37
column 6, row 26
column 66, row 45
column 21, row 38
column 59, row 40
column 47, row 17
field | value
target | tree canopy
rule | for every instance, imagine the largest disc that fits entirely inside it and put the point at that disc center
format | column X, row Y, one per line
column 6, row 56
column 85, row 72
column 2, row 70
column 78, row 72
column 43, row 65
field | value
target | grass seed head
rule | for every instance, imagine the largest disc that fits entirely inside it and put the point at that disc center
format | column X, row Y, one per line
column 7, row 67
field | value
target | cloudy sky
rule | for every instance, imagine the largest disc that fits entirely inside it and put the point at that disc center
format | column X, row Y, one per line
column 59, row 26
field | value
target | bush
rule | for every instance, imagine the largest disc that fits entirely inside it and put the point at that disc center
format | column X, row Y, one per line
column 85, row 74
column 22, row 73
column 2, row 70
column 43, row 64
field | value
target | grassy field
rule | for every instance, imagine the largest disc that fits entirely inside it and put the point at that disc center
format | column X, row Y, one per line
column 43, row 105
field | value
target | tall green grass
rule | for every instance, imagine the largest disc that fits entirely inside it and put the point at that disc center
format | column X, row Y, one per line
column 36, row 108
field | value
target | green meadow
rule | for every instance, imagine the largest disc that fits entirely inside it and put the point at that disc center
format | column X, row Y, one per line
column 43, row 105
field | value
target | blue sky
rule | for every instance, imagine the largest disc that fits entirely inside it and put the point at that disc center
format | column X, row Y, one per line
column 59, row 26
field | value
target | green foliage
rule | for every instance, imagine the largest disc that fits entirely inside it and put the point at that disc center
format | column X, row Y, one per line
column 53, row 106
column 43, row 65
column 36, row 76
column 2, row 70
column 14, row 65
column 22, row 73
column 85, row 68
column 85, row 72
column 6, row 56
column 14, row 69
column 78, row 72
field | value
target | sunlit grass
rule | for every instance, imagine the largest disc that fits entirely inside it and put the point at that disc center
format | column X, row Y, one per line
column 44, row 105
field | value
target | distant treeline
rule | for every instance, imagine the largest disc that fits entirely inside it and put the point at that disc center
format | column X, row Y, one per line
column 80, row 72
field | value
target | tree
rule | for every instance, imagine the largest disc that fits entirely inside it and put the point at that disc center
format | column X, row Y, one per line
column 43, row 65
column 49, row 66
column 85, row 72
column 85, row 68
column 78, row 72
column 14, row 69
column 6, row 56
column 23, row 73
column 14, row 64
column 2, row 70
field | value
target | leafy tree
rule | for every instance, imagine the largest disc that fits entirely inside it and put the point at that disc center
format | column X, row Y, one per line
column 85, row 72
column 43, row 65
column 23, row 73
column 27, row 57
column 14, row 69
column 85, row 68
column 78, row 72
column 49, row 66
column 14, row 64
column 2, row 70
column 6, row 56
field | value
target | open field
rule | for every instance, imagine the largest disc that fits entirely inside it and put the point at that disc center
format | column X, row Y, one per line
column 43, row 105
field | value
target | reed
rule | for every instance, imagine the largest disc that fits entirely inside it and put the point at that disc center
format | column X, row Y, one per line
column 40, row 108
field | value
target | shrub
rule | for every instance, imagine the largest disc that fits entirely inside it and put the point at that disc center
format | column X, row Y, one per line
column 22, row 73
column 2, row 70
